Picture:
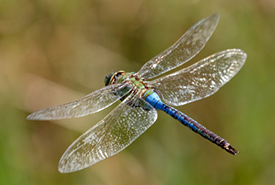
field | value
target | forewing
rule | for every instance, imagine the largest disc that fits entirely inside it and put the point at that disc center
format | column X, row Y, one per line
column 111, row 135
column 183, row 50
column 89, row 104
column 201, row 79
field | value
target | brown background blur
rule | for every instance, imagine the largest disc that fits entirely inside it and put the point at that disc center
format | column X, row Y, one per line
column 55, row 51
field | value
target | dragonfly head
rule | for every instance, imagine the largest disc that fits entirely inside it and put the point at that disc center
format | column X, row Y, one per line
column 113, row 77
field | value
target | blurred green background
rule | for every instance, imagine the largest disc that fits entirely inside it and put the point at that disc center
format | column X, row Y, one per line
column 55, row 51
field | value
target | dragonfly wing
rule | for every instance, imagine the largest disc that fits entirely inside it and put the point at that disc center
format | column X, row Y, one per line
column 201, row 79
column 89, row 104
column 183, row 50
column 110, row 136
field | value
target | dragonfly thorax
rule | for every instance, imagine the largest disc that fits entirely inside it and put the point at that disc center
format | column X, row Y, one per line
column 131, row 78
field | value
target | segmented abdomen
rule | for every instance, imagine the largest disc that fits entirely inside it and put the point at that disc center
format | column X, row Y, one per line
column 155, row 101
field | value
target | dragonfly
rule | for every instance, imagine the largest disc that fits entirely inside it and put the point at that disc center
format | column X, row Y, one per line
column 143, row 93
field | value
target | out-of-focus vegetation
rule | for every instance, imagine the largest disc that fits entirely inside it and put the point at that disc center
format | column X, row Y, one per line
column 54, row 51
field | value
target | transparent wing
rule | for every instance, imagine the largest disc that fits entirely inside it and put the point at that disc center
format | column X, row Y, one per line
column 89, row 104
column 111, row 135
column 183, row 50
column 201, row 79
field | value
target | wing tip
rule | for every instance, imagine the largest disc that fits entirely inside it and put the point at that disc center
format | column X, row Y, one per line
column 36, row 116
column 240, row 53
column 214, row 18
column 215, row 15
column 237, row 52
column 64, row 170
column 63, row 166
column 31, row 117
column 66, row 166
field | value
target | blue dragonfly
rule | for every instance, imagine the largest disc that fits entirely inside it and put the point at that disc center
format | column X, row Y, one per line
column 141, row 98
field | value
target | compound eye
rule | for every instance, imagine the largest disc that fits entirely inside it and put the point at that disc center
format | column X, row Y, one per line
column 113, row 77
column 108, row 79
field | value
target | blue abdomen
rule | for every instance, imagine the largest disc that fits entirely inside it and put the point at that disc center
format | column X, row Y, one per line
column 156, row 102
column 154, row 99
